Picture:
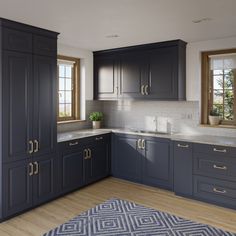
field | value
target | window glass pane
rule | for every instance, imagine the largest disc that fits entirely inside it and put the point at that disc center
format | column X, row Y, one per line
column 218, row 72
column 228, row 112
column 61, row 97
column 68, row 84
column 218, row 82
column 218, row 96
column 68, row 97
column 61, row 83
column 61, row 110
column 61, row 71
column 68, row 71
column 229, row 79
column 68, row 110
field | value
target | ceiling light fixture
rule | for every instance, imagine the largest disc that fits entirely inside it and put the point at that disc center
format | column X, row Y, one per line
column 112, row 36
column 201, row 20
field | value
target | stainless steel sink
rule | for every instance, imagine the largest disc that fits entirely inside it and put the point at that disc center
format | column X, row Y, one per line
column 148, row 132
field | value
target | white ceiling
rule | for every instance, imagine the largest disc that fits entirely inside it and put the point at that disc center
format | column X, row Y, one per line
column 86, row 23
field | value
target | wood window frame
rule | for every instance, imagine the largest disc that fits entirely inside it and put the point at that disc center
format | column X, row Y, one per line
column 206, row 85
column 76, row 90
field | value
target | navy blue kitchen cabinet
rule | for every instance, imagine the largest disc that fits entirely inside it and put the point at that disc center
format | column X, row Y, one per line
column 28, row 116
column 151, row 71
column 84, row 161
column 126, row 157
column 157, row 162
column 183, row 168
column 142, row 159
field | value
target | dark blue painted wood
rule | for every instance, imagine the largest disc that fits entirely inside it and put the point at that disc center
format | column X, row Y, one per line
column 156, row 163
column 183, row 165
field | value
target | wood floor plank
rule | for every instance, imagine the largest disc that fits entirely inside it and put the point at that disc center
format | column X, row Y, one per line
column 48, row 216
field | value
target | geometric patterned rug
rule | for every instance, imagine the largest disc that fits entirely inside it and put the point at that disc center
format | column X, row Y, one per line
column 122, row 218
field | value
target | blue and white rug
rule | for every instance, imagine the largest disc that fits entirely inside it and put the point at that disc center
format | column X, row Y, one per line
column 117, row 217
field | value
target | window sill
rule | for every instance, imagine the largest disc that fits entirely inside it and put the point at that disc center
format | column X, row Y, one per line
column 70, row 121
column 218, row 126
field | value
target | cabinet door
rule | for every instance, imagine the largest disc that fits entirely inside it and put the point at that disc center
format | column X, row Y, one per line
column 163, row 79
column 126, row 160
column 44, row 180
column 44, row 130
column 157, row 168
column 17, row 187
column 72, row 170
column 105, row 77
column 132, row 75
column 183, row 166
column 100, row 160
column 17, row 105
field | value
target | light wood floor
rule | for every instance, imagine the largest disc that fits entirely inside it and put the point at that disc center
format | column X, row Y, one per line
column 42, row 219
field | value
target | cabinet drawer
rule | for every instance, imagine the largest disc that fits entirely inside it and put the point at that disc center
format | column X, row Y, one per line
column 16, row 40
column 214, row 149
column 45, row 46
column 215, row 191
column 215, row 166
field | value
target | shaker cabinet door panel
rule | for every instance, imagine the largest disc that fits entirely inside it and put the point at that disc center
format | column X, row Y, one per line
column 105, row 78
column 163, row 80
column 17, row 105
column 44, row 182
column 45, row 105
column 17, row 187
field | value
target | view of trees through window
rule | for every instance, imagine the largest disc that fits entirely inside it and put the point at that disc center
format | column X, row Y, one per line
column 223, row 93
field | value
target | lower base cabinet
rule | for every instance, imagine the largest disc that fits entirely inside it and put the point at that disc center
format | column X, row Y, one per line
column 143, row 159
column 28, row 183
column 84, row 161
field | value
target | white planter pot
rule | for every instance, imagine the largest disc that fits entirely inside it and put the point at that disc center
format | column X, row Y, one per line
column 96, row 124
column 214, row 120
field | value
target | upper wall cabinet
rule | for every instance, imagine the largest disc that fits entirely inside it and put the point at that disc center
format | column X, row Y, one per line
column 152, row 71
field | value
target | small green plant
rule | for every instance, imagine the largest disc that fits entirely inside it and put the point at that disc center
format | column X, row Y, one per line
column 214, row 112
column 96, row 116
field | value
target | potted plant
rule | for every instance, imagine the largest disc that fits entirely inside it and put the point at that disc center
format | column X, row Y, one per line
column 96, row 118
column 214, row 117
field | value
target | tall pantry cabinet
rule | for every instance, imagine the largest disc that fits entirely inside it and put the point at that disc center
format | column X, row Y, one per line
column 28, row 164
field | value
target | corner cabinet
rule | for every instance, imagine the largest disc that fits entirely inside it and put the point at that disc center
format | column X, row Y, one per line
column 152, row 71
column 28, row 116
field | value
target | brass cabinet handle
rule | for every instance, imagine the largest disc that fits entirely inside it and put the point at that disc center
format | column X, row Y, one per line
column 219, row 150
column 36, row 168
column 222, row 191
column 99, row 138
column 220, row 167
column 146, row 89
column 36, row 145
column 31, row 147
column 31, row 169
column 73, row 144
column 142, row 90
column 143, row 144
column 90, row 153
column 139, row 143
column 86, row 154
column 183, row 146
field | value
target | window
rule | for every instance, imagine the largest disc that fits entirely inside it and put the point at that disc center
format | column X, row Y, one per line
column 68, row 88
column 218, row 85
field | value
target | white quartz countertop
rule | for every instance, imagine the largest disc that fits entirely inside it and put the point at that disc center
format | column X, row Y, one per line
column 205, row 139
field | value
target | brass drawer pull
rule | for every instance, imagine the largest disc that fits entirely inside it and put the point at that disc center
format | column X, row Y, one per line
column 73, row 144
column 86, row 156
column 89, row 153
column 99, row 138
column 219, row 150
column 220, row 167
column 36, row 168
column 143, row 144
column 222, row 191
column 36, row 145
column 31, row 147
column 31, row 169
column 139, row 143
column 142, row 90
column 182, row 145
column 146, row 90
